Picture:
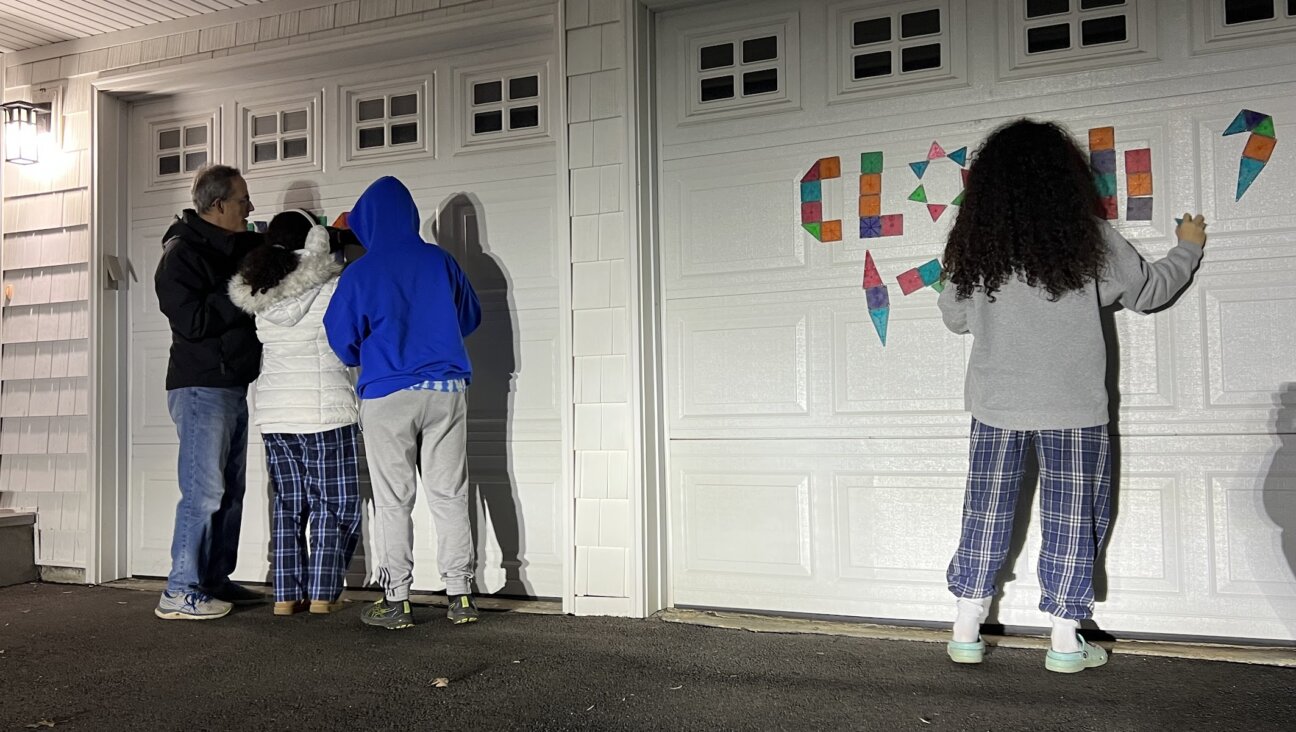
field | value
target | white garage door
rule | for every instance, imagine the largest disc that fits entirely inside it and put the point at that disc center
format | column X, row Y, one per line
column 815, row 470
column 471, row 138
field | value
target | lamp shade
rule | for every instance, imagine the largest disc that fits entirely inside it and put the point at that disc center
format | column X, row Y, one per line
column 20, row 142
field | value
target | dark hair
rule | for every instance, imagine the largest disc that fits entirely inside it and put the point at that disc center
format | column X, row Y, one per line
column 266, row 266
column 289, row 229
column 213, row 183
column 1028, row 210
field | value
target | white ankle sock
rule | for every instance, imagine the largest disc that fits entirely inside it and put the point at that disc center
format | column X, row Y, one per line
column 1064, row 635
column 971, row 613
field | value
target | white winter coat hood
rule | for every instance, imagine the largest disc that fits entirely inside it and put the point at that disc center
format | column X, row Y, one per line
column 303, row 387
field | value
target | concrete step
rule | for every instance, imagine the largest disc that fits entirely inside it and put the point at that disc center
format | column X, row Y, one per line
column 17, row 548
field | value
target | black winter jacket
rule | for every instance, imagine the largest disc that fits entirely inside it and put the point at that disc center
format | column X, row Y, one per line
column 213, row 342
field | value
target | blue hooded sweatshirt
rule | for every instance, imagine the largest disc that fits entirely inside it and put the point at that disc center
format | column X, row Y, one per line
column 402, row 310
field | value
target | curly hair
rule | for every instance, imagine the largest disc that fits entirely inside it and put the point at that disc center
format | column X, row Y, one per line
column 1029, row 209
column 266, row 266
column 288, row 229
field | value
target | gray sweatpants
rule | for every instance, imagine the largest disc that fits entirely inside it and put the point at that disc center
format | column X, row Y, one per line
column 427, row 429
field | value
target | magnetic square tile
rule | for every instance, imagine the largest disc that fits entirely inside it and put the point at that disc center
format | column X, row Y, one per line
column 1259, row 147
column 1138, row 184
column 1103, row 161
column 831, row 231
column 1109, row 210
column 870, row 206
column 871, row 162
column 1102, row 138
column 871, row 184
column 870, row 227
column 1138, row 161
column 829, row 168
column 893, row 225
column 811, row 191
column 1138, row 209
column 811, row 211
column 1106, row 183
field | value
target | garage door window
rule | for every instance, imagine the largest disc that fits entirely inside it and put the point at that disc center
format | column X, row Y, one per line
column 505, row 106
column 385, row 119
column 898, row 48
column 730, row 71
column 180, row 149
column 1265, row 21
column 1057, row 36
column 279, row 136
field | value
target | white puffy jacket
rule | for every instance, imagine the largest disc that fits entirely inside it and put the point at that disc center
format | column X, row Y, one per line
column 303, row 387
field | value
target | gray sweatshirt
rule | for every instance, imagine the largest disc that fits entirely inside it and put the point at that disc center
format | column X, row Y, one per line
column 1039, row 365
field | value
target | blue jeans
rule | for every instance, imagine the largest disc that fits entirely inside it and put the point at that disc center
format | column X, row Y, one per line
column 213, row 427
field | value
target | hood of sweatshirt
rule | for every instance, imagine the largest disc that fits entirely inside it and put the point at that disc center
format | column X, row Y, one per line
column 288, row 301
column 385, row 215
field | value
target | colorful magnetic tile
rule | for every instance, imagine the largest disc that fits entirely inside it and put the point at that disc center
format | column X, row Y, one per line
column 829, row 168
column 1265, row 128
column 1138, row 209
column 814, row 227
column 877, row 297
column 261, row 226
column 831, row 231
column 812, row 174
column 935, row 209
column 893, row 225
column 1102, row 138
column 341, row 221
column 811, row 211
column 958, row 200
column 1138, row 161
column 871, row 162
column 930, row 272
column 959, row 156
column 910, row 281
column 870, row 206
column 919, row 168
column 919, row 195
column 870, row 184
column 1106, row 183
column 1253, row 118
column 1259, row 147
column 1103, row 161
column 871, row 276
column 1108, row 206
column 965, row 173
column 1248, row 170
column 879, row 317
column 870, row 227
column 936, row 151
column 1138, row 184
column 811, row 191
column 1238, row 125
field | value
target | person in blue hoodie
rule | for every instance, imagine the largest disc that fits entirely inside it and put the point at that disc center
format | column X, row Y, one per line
column 401, row 314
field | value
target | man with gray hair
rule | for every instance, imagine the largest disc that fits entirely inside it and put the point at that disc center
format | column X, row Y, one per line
column 215, row 354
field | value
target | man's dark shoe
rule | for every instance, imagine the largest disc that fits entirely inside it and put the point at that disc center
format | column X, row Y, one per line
column 236, row 594
column 392, row 616
column 462, row 610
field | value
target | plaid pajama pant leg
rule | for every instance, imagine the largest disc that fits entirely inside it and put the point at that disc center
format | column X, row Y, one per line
column 333, row 493
column 1075, row 512
column 285, row 458
column 994, row 477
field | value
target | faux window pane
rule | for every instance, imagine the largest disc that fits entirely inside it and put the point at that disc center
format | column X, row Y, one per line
column 526, row 87
column 716, row 88
column 1094, row 4
column 756, row 50
column 487, row 122
column 521, row 118
column 925, row 23
column 716, row 57
column 372, row 137
column 168, row 139
column 294, row 121
column 1041, row 8
column 488, row 92
column 868, row 65
column 294, row 147
column 168, row 165
column 760, row 82
column 1048, row 38
column 875, row 30
column 195, row 136
column 920, row 58
column 1246, row 11
column 404, row 105
column 1291, row 7
column 267, row 125
column 404, row 134
column 371, row 109
column 1099, row 31
column 264, row 152
column 195, row 160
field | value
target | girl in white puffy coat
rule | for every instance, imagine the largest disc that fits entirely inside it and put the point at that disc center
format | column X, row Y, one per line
column 307, row 412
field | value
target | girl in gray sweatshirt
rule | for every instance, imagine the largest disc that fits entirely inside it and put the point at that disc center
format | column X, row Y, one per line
column 1028, row 267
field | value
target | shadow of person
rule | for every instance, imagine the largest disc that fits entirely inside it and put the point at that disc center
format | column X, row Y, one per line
column 493, row 348
column 1280, row 491
column 302, row 194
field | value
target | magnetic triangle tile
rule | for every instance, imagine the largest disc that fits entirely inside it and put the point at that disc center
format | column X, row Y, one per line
column 341, row 221
column 965, row 173
column 1253, row 118
column 812, row 174
column 919, row 195
column 1247, row 172
column 879, row 317
column 959, row 156
column 1265, row 128
column 871, row 276
column 936, row 151
column 1237, row 126
column 920, row 167
column 958, row 200
column 813, row 228
column 935, row 209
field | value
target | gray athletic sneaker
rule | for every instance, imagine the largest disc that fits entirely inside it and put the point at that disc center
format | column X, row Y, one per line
column 392, row 616
column 462, row 609
column 190, row 606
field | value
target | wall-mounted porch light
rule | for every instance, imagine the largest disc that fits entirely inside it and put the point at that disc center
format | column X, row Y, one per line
column 23, row 124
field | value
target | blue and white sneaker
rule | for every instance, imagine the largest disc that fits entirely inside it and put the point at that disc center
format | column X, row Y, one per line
column 190, row 606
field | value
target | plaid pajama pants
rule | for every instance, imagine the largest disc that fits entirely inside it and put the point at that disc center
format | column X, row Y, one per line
column 316, row 480
column 1075, row 511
